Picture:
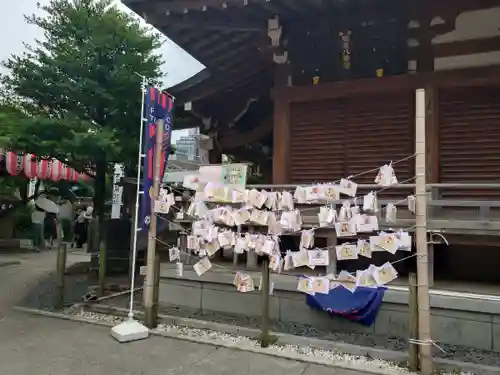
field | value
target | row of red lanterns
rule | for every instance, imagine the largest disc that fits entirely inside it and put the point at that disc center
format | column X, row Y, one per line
column 45, row 169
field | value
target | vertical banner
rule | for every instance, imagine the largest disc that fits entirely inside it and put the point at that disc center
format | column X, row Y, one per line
column 158, row 110
column 117, row 202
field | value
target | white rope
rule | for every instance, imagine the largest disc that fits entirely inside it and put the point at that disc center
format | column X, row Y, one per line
column 426, row 343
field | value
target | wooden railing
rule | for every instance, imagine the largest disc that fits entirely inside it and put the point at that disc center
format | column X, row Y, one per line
column 451, row 216
column 462, row 222
column 458, row 216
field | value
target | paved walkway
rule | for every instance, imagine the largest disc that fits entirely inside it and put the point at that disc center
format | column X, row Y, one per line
column 46, row 346
column 19, row 279
column 16, row 280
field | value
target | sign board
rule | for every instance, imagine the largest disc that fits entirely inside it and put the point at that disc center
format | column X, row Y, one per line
column 116, row 205
column 224, row 174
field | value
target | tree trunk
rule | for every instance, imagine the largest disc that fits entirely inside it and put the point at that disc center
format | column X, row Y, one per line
column 100, row 199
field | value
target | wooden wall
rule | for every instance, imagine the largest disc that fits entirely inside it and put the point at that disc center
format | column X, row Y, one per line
column 327, row 131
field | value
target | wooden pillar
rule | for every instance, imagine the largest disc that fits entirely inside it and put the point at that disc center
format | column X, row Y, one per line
column 281, row 126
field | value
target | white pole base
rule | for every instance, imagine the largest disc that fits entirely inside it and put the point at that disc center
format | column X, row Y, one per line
column 129, row 330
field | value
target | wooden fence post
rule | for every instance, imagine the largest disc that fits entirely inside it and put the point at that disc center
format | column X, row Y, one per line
column 102, row 270
column 60, row 271
column 264, row 325
column 156, row 292
column 413, row 323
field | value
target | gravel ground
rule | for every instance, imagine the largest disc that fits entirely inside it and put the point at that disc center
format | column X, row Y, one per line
column 370, row 340
column 334, row 357
column 43, row 297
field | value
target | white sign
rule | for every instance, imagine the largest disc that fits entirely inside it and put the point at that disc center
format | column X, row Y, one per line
column 224, row 174
column 117, row 191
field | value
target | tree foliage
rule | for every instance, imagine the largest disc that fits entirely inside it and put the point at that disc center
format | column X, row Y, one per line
column 75, row 94
column 79, row 85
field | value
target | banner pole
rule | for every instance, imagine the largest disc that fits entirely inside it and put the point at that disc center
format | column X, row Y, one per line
column 137, row 202
column 130, row 329
column 150, row 318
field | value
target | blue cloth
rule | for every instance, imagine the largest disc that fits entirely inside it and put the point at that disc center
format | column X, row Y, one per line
column 360, row 306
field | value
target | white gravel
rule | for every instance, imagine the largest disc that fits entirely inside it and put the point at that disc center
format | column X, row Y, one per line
column 242, row 342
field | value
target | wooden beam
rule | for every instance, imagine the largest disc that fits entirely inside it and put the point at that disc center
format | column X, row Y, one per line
column 470, row 77
column 466, row 47
column 188, row 21
column 281, row 128
column 461, row 6
column 458, row 48
column 488, row 76
column 332, row 90
column 183, row 6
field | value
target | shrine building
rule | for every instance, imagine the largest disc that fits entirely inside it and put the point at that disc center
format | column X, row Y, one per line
column 316, row 90
column 313, row 90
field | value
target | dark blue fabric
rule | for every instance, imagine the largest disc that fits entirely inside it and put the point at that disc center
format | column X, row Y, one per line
column 360, row 306
column 157, row 106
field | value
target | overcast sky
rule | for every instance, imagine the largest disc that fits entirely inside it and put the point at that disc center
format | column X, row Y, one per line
column 178, row 66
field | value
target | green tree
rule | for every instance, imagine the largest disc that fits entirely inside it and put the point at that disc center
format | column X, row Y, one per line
column 75, row 94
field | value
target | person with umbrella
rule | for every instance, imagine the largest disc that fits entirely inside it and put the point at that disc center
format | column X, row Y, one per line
column 37, row 221
column 51, row 221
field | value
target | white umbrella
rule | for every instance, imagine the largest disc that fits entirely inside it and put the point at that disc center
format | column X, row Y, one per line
column 47, row 205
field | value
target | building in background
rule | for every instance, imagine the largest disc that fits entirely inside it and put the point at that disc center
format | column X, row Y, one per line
column 191, row 151
column 186, row 148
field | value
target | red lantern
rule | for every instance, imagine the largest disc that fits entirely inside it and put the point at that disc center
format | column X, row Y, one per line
column 55, row 170
column 13, row 163
column 30, row 166
column 65, row 171
column 43, row 169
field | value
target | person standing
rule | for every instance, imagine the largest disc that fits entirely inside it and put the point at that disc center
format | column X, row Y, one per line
column 50, row 228
column 80, row 229
column 37, row 220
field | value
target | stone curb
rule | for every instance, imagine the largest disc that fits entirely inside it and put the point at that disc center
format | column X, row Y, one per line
column 287, row 339
column 10, row 263
column 284, row 339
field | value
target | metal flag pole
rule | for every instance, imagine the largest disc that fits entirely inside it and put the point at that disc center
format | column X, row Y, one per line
column 131, row 330
column 138, row 193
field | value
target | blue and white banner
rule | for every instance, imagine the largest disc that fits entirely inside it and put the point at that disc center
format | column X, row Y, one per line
column 158, row 110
